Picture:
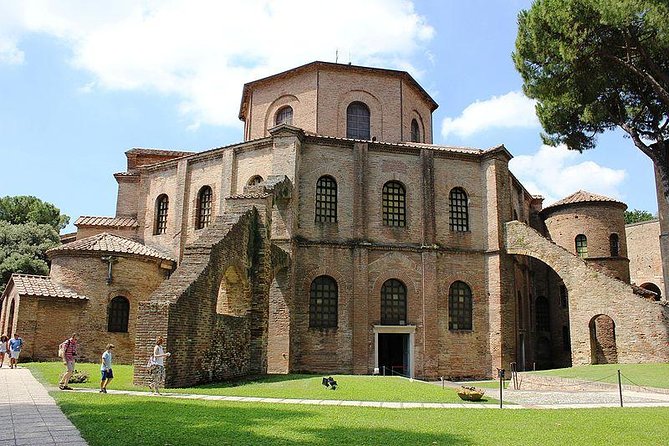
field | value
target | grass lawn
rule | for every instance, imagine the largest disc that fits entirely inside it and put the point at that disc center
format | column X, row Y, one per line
column 110, row 420
column 351, row 387
column 647, row 375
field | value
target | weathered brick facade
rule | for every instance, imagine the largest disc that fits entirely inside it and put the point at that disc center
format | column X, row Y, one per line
column 466, row 290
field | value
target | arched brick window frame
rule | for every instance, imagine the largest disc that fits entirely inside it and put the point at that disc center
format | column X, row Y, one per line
column 460, row 306
column 326, row 200
column 323, row 302
column 161, row 213
column 203, row 207
column 415, row 131
column 284, row 115
column 614, row 245
column 458, row 216
column 393, row 302
column 358, row 121
column 118, row 314
column 581, row 242
column 393, row 204
column 254, row 180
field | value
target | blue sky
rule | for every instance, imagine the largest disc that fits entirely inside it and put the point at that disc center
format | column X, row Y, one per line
column 81, row 82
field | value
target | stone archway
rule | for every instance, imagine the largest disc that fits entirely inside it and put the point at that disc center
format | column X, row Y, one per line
column 603, row 340
column 654, row 288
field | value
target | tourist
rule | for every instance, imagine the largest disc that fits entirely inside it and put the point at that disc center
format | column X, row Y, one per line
column 106, row 368
column 4, row 347
column 158, row 365
column 15, row 345
column 69, row 353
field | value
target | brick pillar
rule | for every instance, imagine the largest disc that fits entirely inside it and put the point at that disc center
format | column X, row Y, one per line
column 279, row 332
column 152, row 321
column 361, row 326
column 429, row 217
column 429, row 332
column 360, row 209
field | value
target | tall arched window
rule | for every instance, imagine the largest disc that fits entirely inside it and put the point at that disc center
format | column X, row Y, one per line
column 543, row 314
column 323, row 297
column 459, row 210
column 415, row 131
column 357, row 121
column 614, row 245
column 393, row 303
column 254, row 180
column 162, row 205
column 581, row 246
column 394, row 204
column 459, row 306
column 284, row 115
column 326, row 200
column 203, row 208
column 118, row 314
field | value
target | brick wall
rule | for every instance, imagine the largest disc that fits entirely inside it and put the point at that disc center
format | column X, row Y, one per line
column 643, row 246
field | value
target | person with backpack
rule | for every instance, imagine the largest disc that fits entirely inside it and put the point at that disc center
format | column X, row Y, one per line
column 69, row 348
column 15, row 345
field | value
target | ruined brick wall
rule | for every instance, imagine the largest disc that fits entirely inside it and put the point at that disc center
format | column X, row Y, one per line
column 643, row 247
column 642, row 325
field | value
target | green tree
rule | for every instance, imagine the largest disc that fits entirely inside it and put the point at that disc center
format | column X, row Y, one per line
column 28, row 228
column 594, row 65
column 636, row 215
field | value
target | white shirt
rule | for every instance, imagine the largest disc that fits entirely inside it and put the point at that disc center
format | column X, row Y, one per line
column 158, row 353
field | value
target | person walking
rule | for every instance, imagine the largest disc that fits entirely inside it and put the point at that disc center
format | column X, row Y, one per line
column 15, row 346
column 106, row 368
column 4, row 348
column 158, row 365
column 69, row 354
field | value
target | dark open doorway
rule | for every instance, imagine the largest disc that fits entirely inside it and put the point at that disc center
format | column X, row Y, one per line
column 394, row 353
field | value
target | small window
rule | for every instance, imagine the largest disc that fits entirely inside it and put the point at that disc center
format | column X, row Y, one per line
column 326, row 200
column 203, row 208
column 119, row 312
column 459, row 210
column 323, row 297
column 162, row 205
column 581, row 246
column 357, row 121
column 415, row 131
column 254, row 180
column 459, row 307
column 284, row 116
column 543, row 314
column 394, row 204
column 393, row 303
column 614, row 244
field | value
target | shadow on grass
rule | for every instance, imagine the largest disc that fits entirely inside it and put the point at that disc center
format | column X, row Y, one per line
column 149, row 421
column 259, row 379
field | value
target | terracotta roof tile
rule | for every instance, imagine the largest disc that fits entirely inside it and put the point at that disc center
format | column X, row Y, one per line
column 583, row 197
column 249, row 195
column 118, row 222
column 106, row 242
column 29, row 285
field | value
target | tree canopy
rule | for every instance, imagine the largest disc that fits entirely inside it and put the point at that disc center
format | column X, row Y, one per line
column 28, row 228
column 637, row 215
column 594, row 65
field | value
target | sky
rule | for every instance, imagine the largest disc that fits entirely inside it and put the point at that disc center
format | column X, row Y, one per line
column 82, row 81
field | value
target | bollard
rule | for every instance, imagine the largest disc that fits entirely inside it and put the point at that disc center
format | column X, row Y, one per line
column 620, row 389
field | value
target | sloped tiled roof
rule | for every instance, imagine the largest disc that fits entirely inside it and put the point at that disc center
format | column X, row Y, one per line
column 249, row 195
column 583, row 197
column 30, row 285
column 106, row 242
column 119, row 222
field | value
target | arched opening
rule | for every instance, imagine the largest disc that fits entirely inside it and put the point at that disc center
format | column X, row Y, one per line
column 203, row 208
column 581, row 243
column 393, row 203
column 358, row 121
column 393, row 303
column 654, row 288
column 603, row 340
column 233, row 298
column 415, row 131
column 160, row 220
column 254, row 180
column 10, row 325
column 544, row 356
column 118, row 314
column 284, row 115
column 614, row 245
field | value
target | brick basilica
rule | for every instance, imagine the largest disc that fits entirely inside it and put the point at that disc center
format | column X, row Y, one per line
column 336, row 238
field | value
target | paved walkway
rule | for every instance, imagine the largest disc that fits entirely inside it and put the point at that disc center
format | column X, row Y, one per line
column 30, row 416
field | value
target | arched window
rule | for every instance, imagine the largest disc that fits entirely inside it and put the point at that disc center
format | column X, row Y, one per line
column 323, row 297
column 326, row 200
column 357, row 121
column 459, row 306
column 415, row 131
column 254, row 180
column 284, row 115
column 459, row 210
column 543, row 314
column 203, row 212
column 614, row 245
column 393, row 303
column 118, row 314
column 162, row 205
column 394, row 204
column 581, row 246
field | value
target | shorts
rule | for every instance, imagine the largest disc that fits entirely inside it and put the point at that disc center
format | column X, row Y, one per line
column 70, row 365
column 106, row 374
column 14, row 354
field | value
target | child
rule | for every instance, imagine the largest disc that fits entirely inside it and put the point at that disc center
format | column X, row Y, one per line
column 106, row 368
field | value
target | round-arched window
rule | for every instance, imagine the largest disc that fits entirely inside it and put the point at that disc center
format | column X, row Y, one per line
column 357, row 121
column 284, row 116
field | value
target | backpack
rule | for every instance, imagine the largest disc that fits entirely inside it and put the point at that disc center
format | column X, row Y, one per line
column 61, row 349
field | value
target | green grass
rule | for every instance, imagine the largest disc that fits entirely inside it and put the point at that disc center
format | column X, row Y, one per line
column 110, row 420
column 647, row 375
column 351, row 387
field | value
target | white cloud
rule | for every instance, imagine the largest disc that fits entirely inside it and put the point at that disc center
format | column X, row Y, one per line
column 511, row 110
column 203, row 51
column 555, row 173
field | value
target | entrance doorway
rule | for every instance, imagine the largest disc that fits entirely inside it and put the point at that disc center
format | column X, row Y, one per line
column 394, row 353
